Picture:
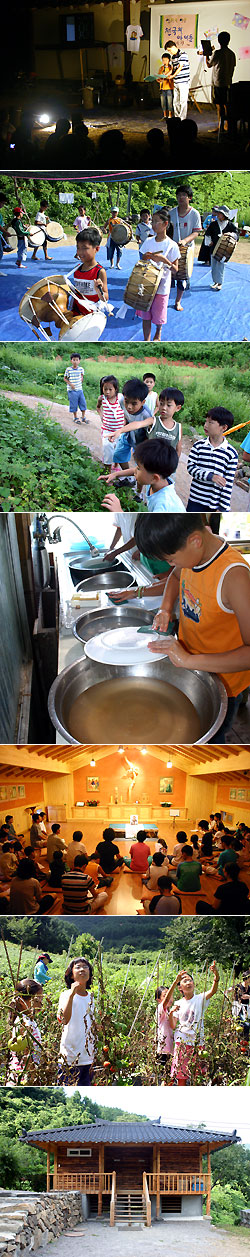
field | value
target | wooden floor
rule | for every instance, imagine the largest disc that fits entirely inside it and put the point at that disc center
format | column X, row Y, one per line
column 125, row 892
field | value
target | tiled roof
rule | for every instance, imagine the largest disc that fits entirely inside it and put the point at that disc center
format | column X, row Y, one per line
column 128, row 1133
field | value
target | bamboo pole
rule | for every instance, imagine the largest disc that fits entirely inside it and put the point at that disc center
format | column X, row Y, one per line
column 124, row 984
column 143, row 997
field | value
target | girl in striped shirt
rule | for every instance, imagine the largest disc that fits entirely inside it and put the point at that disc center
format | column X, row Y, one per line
column 112, row 416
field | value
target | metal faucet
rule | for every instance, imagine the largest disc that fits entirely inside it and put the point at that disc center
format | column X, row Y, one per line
column 42, row 527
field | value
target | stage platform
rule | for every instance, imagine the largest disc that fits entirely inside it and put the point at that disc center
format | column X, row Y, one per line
column 207, row 315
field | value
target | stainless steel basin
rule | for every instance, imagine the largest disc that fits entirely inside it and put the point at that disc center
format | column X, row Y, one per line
column 134, row 704
column 94, row 622
column 107, row 580
column 84, row 565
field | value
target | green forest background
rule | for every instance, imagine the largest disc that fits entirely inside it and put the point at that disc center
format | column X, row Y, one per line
column 38, row 1108
column 209, row 188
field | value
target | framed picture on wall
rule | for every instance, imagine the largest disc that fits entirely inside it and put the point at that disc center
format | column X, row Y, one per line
column 166, row 785
column 248, row 794
column 93, row 784
column 3, row 793
column 232, row 794
column 21, row 792
column 241, row 794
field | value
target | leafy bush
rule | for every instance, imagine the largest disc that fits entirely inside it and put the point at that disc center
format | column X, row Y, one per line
column 50, row 469
column 226, row 1203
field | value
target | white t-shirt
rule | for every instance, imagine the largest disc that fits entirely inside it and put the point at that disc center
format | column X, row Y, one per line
column 184, row 224
column 151, row 400
column 170, row 250
column 77, row 1042
column 41, row 218
column 126, row 522
column 81, row 222
column 134, row 34
column 190, row 1027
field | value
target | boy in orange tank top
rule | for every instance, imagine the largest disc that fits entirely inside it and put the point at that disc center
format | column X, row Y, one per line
column 212, row 581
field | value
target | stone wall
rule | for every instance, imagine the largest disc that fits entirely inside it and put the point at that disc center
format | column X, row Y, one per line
column 29, row 1221
column 245, row 1217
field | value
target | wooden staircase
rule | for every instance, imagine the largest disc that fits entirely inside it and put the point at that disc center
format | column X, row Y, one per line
column 129, row 1208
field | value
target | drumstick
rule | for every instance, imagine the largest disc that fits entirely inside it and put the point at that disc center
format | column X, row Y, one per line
column 237, row 428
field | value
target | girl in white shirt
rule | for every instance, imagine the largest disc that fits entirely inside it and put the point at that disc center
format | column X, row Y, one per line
column 75, row 1014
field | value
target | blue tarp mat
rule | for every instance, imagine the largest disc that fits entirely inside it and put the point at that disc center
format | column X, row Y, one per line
column 207, row 315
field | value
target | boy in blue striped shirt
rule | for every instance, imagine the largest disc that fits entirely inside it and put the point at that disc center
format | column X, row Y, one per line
column 212, row 464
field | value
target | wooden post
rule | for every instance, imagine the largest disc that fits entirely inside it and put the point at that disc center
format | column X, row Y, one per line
column 208, row 1208
column 101, row 1172
column 48, row 1170
column 158, row 1194
column 154, row 1166
column 55, row 1170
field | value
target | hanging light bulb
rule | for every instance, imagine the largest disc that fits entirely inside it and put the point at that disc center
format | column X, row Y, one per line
column 92, row 762
column 169, row 763
column 120, row 750
column 143, row 750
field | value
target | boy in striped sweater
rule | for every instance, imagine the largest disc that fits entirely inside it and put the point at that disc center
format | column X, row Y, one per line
column 212, row 464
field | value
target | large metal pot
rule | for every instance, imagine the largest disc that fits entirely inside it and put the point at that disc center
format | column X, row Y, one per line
column 131, row 704
column 85, row 565
column 87, row 626
column 107, row 580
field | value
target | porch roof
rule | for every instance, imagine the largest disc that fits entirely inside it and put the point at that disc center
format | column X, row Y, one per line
column 128, row 1132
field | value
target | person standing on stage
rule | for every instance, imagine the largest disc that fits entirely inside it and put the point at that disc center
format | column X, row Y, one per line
column 180, row 73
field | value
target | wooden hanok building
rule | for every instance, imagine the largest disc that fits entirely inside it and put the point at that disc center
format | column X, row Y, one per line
column 132, row 1170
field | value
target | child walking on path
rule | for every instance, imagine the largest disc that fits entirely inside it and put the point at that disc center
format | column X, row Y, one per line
column 73, row 377
column 75, row 1014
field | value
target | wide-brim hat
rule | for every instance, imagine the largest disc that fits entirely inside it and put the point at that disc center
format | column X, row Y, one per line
column 222, row 209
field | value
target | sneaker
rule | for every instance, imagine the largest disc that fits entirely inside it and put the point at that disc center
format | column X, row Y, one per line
column 215, row 287
column 118, row 266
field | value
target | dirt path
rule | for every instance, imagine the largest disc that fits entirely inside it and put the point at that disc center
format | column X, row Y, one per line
column 177, row 1239
column 90, row 437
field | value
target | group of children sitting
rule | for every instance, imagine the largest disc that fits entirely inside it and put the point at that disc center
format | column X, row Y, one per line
column 142, row 441
column 85, row 879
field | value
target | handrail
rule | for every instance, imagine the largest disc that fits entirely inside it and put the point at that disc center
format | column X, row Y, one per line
column 85, row 1182
column 146, row 1199
column 113, row 1198
column 174, row 1183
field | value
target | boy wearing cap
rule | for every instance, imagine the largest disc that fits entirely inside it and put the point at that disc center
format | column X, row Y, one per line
column 21, row 237
column 221, row 225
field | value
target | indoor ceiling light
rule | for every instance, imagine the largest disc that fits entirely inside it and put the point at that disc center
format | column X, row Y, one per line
column 92, row 763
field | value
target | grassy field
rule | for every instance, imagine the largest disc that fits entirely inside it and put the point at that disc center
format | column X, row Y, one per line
column 125, row 1048
column 208, row 376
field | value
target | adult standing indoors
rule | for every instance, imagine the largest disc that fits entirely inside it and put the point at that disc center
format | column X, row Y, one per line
column 186, row 223
column 223, row 62
column 180, row 73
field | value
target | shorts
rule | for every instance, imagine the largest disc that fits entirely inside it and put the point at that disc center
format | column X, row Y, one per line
column 74, row 1075
column 76, row 398
column 123, row 449
column 182, row 1058
column 220, row 95
column 158, row 311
